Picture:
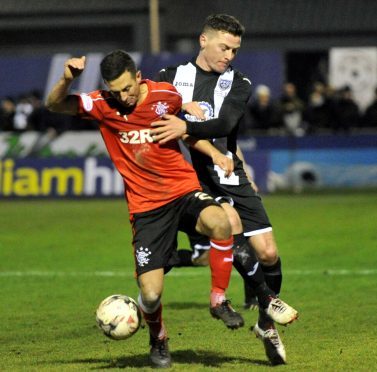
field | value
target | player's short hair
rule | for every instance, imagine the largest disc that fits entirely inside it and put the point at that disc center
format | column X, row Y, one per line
column 116, row 63
column 224, row 22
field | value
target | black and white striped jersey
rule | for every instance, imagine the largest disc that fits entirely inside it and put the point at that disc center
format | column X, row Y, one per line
column 223, row 98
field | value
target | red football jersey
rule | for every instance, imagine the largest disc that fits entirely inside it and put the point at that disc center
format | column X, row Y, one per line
column 153, row 174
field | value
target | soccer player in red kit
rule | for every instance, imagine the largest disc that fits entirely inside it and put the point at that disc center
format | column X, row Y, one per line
column 161, row 187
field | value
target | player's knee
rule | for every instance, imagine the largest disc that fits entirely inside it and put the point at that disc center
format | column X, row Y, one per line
column 220, row 227
column 222, row 230
column 265, row 248
column 235, row 223
column 150, row 300
column 268, row 255
column 234, row 218
column 213, row 222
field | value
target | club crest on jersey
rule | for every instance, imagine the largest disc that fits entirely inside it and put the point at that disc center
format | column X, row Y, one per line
column 207, row 110
column 160, row 108
column 87, row 102
column 224, row 84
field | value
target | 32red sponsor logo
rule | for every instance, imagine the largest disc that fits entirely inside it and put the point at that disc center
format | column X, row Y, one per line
column 135, row 137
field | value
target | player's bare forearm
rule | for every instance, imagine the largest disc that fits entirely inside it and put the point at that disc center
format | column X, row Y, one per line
column 206, row 147
column 58, row 99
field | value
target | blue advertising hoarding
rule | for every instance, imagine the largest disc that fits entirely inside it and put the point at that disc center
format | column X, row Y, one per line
column 76, row 164
column 314, row 161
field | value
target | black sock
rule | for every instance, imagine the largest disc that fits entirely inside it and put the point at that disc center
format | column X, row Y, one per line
column 264, row 321
column 249, row 293
column 246, row 263
column 273, row 276
column 184, row 258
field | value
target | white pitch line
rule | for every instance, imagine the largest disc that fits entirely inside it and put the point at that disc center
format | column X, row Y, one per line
column 177, row 272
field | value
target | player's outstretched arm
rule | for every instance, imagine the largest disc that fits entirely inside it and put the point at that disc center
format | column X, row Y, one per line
column 58, row 99
column 170, row 127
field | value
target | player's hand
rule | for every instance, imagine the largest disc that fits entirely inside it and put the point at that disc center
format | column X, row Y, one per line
column 73, row 68
column 168, row 128
column 225, row 163
column 193, row 108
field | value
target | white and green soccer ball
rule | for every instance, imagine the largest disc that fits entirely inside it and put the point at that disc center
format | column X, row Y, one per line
column 118, row 316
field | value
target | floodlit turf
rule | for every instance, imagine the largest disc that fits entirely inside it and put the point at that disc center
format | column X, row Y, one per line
column 59, row 259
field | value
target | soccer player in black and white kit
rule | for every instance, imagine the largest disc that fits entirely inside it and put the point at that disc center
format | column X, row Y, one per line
column 214, row 100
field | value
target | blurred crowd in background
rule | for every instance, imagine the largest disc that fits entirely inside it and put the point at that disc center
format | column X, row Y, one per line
column 326, row 110
column 28, row 113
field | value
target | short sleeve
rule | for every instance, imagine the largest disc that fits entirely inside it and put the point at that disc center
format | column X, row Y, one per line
column 89, row 108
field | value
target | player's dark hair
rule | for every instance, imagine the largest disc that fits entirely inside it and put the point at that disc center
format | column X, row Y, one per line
column 116, row 63
column 224, row 22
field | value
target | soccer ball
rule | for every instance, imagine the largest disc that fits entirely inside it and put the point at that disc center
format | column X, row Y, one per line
column 118, row 316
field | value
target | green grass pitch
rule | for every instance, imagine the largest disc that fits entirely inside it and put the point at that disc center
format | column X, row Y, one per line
column 59, row 259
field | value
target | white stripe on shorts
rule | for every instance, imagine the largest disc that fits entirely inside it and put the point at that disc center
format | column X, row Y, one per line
column 257, row 232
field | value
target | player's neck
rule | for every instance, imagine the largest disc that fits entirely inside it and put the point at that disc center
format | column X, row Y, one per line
column 202, row 63
column 143, row 93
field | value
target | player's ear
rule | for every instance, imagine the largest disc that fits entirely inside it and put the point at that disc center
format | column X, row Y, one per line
column 202, row 40
column 138, row 76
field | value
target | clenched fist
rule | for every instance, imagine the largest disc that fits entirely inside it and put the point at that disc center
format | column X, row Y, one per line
column 73, row 67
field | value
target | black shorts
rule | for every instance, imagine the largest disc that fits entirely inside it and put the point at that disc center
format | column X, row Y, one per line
column 155, row 232
column 247, row 203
